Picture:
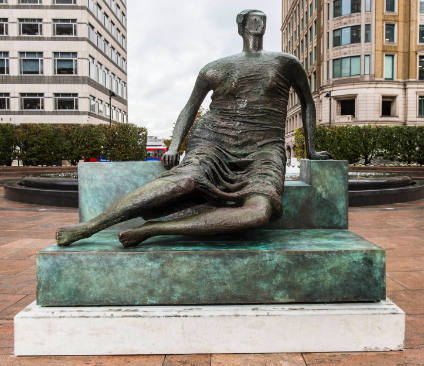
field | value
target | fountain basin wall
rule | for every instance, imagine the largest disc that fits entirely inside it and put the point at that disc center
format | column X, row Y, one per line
column 45, row 191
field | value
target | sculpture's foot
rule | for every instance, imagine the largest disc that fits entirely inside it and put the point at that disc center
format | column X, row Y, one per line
column 133, row 237
column 71, row 233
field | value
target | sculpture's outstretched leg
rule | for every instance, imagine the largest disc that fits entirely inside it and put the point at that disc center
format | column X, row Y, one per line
column 151, row 196
column 255, row 212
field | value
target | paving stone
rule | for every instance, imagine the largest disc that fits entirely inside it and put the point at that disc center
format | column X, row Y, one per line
column 405, row 358
column 6, row 351
column 6, row 334
column 8, row 300
column 11, row 267
column 79, row 361
column 281, row 359
column 11, row 311
column 414, row 337
column 392, row 286
column 412, row 302
column 187, row 360
column 410, row 280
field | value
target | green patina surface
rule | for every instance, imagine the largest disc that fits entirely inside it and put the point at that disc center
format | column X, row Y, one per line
column 318, row 201
column 262, row 266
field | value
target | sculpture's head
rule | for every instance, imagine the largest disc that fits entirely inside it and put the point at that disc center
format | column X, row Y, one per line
column 251, row 22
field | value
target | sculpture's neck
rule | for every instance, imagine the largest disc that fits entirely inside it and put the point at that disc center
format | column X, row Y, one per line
column 252, row 43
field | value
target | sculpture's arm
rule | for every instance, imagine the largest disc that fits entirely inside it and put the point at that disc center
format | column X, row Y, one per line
column 301, row 85
column 185, row 120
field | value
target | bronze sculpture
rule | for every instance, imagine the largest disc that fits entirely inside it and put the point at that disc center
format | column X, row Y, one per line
column 235, row 160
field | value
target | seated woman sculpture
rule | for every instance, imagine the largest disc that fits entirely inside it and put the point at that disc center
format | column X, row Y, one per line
column 235, row 159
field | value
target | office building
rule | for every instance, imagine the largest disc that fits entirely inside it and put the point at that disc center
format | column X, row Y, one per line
column 62, row 61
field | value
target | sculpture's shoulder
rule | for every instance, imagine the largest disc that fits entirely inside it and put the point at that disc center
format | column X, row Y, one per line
column 215, row 69
column 220, row 64
column 282, row 58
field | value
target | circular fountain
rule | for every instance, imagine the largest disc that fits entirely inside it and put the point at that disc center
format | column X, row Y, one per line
column 375, row 188
column 56, row 189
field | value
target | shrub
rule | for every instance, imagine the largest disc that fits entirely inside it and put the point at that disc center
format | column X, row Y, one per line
column 7, row 143
column 353, row 143
column 125, row 142
column 48, row 144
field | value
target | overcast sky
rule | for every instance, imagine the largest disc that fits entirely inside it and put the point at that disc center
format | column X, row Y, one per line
column 169, row 41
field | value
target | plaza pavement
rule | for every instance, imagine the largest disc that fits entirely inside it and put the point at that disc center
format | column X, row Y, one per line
column 25, row 229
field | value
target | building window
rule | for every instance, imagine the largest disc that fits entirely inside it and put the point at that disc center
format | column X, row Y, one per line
column 420, row 67
column 30, row 2
column 91, row 35
column 347, row 35
column 30, row 27
column 65, row 2
column 315, row 28
column 100, row 73
column 4, row 101
column 310, row 58
column 389, row 67
column 91, row 5
column 100, row 41
column 347, row 107
column 65, row 27
column 315, row 81
column 92, row 104
column 92, row 70
column 367, row 64
column 390, row 6
column 4, row 63
column 347, row 66
column 328, row 70
column 421, row 34
column 421, row 106
column 99, row 12
column 310, row 34
column 107, row 79
column 100, row 107
column 388, row 106
column 315, row 53
column 63, row 101
column 4, row 28
column 389, row 34
column 65, row 63
column 421, row 6
column 32, row 101
column 345, row 7
column 367, row 5
column 367, row 33
column 31, row 62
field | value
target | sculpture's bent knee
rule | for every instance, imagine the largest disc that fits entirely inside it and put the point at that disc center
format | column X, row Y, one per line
column 260, row 210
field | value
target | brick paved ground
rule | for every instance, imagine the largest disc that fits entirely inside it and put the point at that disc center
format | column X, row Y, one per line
column 25, row 229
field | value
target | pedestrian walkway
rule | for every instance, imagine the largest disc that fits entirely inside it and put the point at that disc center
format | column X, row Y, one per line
column 399, row 228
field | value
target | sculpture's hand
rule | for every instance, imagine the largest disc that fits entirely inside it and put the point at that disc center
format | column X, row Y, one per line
column 321, row 155
column 170, row 159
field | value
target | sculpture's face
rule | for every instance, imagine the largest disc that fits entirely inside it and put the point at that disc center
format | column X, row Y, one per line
column 255, row 24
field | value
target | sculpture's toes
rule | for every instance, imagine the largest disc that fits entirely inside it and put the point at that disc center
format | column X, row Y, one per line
column 61, row 237
column 128, row 238
column 69, row 234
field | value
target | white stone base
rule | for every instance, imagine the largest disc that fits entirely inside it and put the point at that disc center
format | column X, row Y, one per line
column 209, row 329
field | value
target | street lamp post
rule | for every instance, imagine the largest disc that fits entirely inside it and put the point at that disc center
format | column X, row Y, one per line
column 328, row 95
column 111, row 95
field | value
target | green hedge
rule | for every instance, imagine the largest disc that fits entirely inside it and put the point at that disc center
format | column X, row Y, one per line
column 354, row 143
column 48, row 144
